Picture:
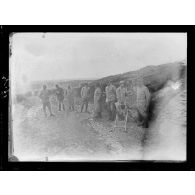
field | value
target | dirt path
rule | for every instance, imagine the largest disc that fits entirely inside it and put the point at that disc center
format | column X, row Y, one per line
column 72, row 135
column 76, row 136
column 122, row 145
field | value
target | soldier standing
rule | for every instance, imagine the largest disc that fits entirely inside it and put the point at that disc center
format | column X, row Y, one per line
column 97, row 101
column 44, row 96
column 110, row 100
column 130, row 94
column 70, row 98
column 142, row 100
column 121, row 94
column 85, row 97
column 60, row 97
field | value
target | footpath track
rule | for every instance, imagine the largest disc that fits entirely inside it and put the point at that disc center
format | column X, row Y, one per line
column 72, row 135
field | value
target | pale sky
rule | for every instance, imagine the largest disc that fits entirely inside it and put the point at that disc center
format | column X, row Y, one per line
column 91, row 55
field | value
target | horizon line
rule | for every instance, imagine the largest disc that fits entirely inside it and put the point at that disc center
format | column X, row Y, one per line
column 97, row 78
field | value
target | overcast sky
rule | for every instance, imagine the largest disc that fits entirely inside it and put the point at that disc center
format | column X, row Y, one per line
column 38, row 56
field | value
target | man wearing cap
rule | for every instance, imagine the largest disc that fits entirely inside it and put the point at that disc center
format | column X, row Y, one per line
column 85, row 97
column 60, row 97
column 44, row 96
column 110, row 100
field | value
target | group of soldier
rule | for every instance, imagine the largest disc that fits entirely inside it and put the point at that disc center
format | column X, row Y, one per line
column 61, row 94
column 45, row 98
column 131, row 95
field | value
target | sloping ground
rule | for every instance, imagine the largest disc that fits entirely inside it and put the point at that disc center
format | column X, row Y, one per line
column 154, row 77
column 76, row 136
column 166, row 139
column 70, row 136
column 122, row 145
column 37, row 137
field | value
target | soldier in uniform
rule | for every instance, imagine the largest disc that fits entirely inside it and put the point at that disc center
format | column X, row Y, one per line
column 110, row 100
column 85, row 97
column 97, row 101
column 70, row 98
column 60, row 97
column 120, row 104
column 44, row 96
column 130, row 98
column 142, row 101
